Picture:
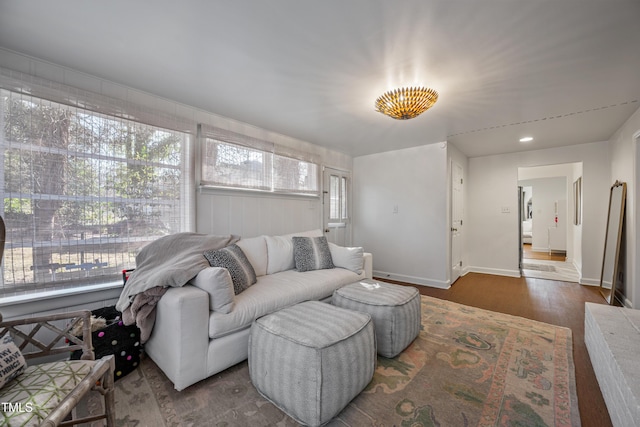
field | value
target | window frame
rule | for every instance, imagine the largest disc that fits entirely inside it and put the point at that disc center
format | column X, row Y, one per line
column 269, row 150
column 50, row 95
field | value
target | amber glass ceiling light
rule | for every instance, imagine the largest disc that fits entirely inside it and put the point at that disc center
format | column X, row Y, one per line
column 406, row 103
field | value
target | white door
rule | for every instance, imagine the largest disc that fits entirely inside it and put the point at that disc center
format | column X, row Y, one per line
column 336, row 186
column 456, row 220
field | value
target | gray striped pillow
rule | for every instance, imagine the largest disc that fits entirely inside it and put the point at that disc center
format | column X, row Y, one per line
column 311, row 253
column 233, row 259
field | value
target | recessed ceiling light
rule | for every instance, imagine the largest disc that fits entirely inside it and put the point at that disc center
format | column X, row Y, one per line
column 526, row 139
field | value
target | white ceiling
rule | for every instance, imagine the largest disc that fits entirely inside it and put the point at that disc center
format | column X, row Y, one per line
column 563, row 71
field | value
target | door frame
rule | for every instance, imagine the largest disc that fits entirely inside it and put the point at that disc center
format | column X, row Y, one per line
column 345, row 223
column 520, row 216
column 456, row 224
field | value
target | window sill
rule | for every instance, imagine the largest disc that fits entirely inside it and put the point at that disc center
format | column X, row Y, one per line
column 207, row 188
column 28, row 304
column 60, row 293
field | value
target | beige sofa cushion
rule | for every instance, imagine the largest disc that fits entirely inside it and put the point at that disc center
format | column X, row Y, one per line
column 255, row 248
column 216, row 281
column 280, row 250
column 346, row 257
column 277, row 291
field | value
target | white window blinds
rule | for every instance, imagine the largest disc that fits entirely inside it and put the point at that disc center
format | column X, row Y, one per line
column 236, row 161
column 83, row 191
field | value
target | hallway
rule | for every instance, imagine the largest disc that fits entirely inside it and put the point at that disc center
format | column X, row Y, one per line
column 541, row 265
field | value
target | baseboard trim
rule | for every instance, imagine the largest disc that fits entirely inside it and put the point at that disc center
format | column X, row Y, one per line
column 495, row 271
column 589, row 282
column 440, row 284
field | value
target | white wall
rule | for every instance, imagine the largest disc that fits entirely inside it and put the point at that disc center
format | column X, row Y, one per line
column 576, row 236
column 624, row 167
column 492, row 238
column 249, row 215
column 410, row 244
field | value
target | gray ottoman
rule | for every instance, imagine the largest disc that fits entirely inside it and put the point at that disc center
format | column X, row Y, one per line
column 395, row 311
column 312, row 359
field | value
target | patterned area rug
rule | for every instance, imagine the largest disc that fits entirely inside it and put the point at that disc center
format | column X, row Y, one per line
column 468, row 367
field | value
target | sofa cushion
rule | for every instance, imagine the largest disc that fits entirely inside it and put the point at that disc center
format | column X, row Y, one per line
column 12, row 361
column 255, row 248
column 311, row 253
column 349, row 258
column 280, row 250
column 216, row 281
column 274, row 292
column 233, row 259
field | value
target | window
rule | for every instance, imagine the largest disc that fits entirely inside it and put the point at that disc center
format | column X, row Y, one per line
column 337, row 198
column 232, row 165
column 293, row 175
column 83, row 191
column 256, row 166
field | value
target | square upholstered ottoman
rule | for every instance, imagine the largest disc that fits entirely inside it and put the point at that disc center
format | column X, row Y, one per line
column 395, row 311
column 312, row 359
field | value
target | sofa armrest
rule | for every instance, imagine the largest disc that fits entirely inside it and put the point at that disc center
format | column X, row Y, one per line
column 180, row 338
column 368, row 265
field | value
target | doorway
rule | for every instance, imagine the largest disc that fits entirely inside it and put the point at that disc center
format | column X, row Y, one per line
column 549, row 234
column 336, row 199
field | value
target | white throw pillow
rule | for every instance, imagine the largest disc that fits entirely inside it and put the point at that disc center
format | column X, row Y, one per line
column 12, row 361
column 216, row 281
column 349, row 258
column 280, row 250
column 255, row 248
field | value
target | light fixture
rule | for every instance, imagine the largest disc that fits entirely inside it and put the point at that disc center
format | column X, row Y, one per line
column 406, row 103
column 526, row 139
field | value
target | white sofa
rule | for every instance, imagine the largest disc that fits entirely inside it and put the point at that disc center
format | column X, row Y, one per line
column 191, row 342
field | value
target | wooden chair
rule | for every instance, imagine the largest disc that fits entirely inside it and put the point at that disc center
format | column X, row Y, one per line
column 50, row 399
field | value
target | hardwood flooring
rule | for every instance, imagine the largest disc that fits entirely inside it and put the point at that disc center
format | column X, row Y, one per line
column 550, row 301
column 528, row 253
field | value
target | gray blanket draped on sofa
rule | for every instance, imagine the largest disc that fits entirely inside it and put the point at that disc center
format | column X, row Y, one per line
column 170, row 261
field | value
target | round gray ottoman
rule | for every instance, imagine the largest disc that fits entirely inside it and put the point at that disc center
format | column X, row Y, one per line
column 395, row 311
column 312, row 359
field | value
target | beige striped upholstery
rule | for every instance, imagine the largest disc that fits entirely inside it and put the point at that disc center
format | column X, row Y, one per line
column 395, row 311
column 312, row 359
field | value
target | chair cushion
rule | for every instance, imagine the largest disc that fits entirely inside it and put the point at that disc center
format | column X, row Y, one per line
column 40, row 389
column 12, row 362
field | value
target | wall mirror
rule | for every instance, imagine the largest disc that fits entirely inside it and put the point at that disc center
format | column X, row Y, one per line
column 613, row 237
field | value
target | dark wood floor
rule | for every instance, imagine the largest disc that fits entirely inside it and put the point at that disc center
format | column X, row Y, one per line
column 558, row 303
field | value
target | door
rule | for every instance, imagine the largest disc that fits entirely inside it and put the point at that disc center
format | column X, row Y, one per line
column 457, row 210
column 336, row 186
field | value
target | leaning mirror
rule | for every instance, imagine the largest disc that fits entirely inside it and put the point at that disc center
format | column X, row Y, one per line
column 612, row 241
